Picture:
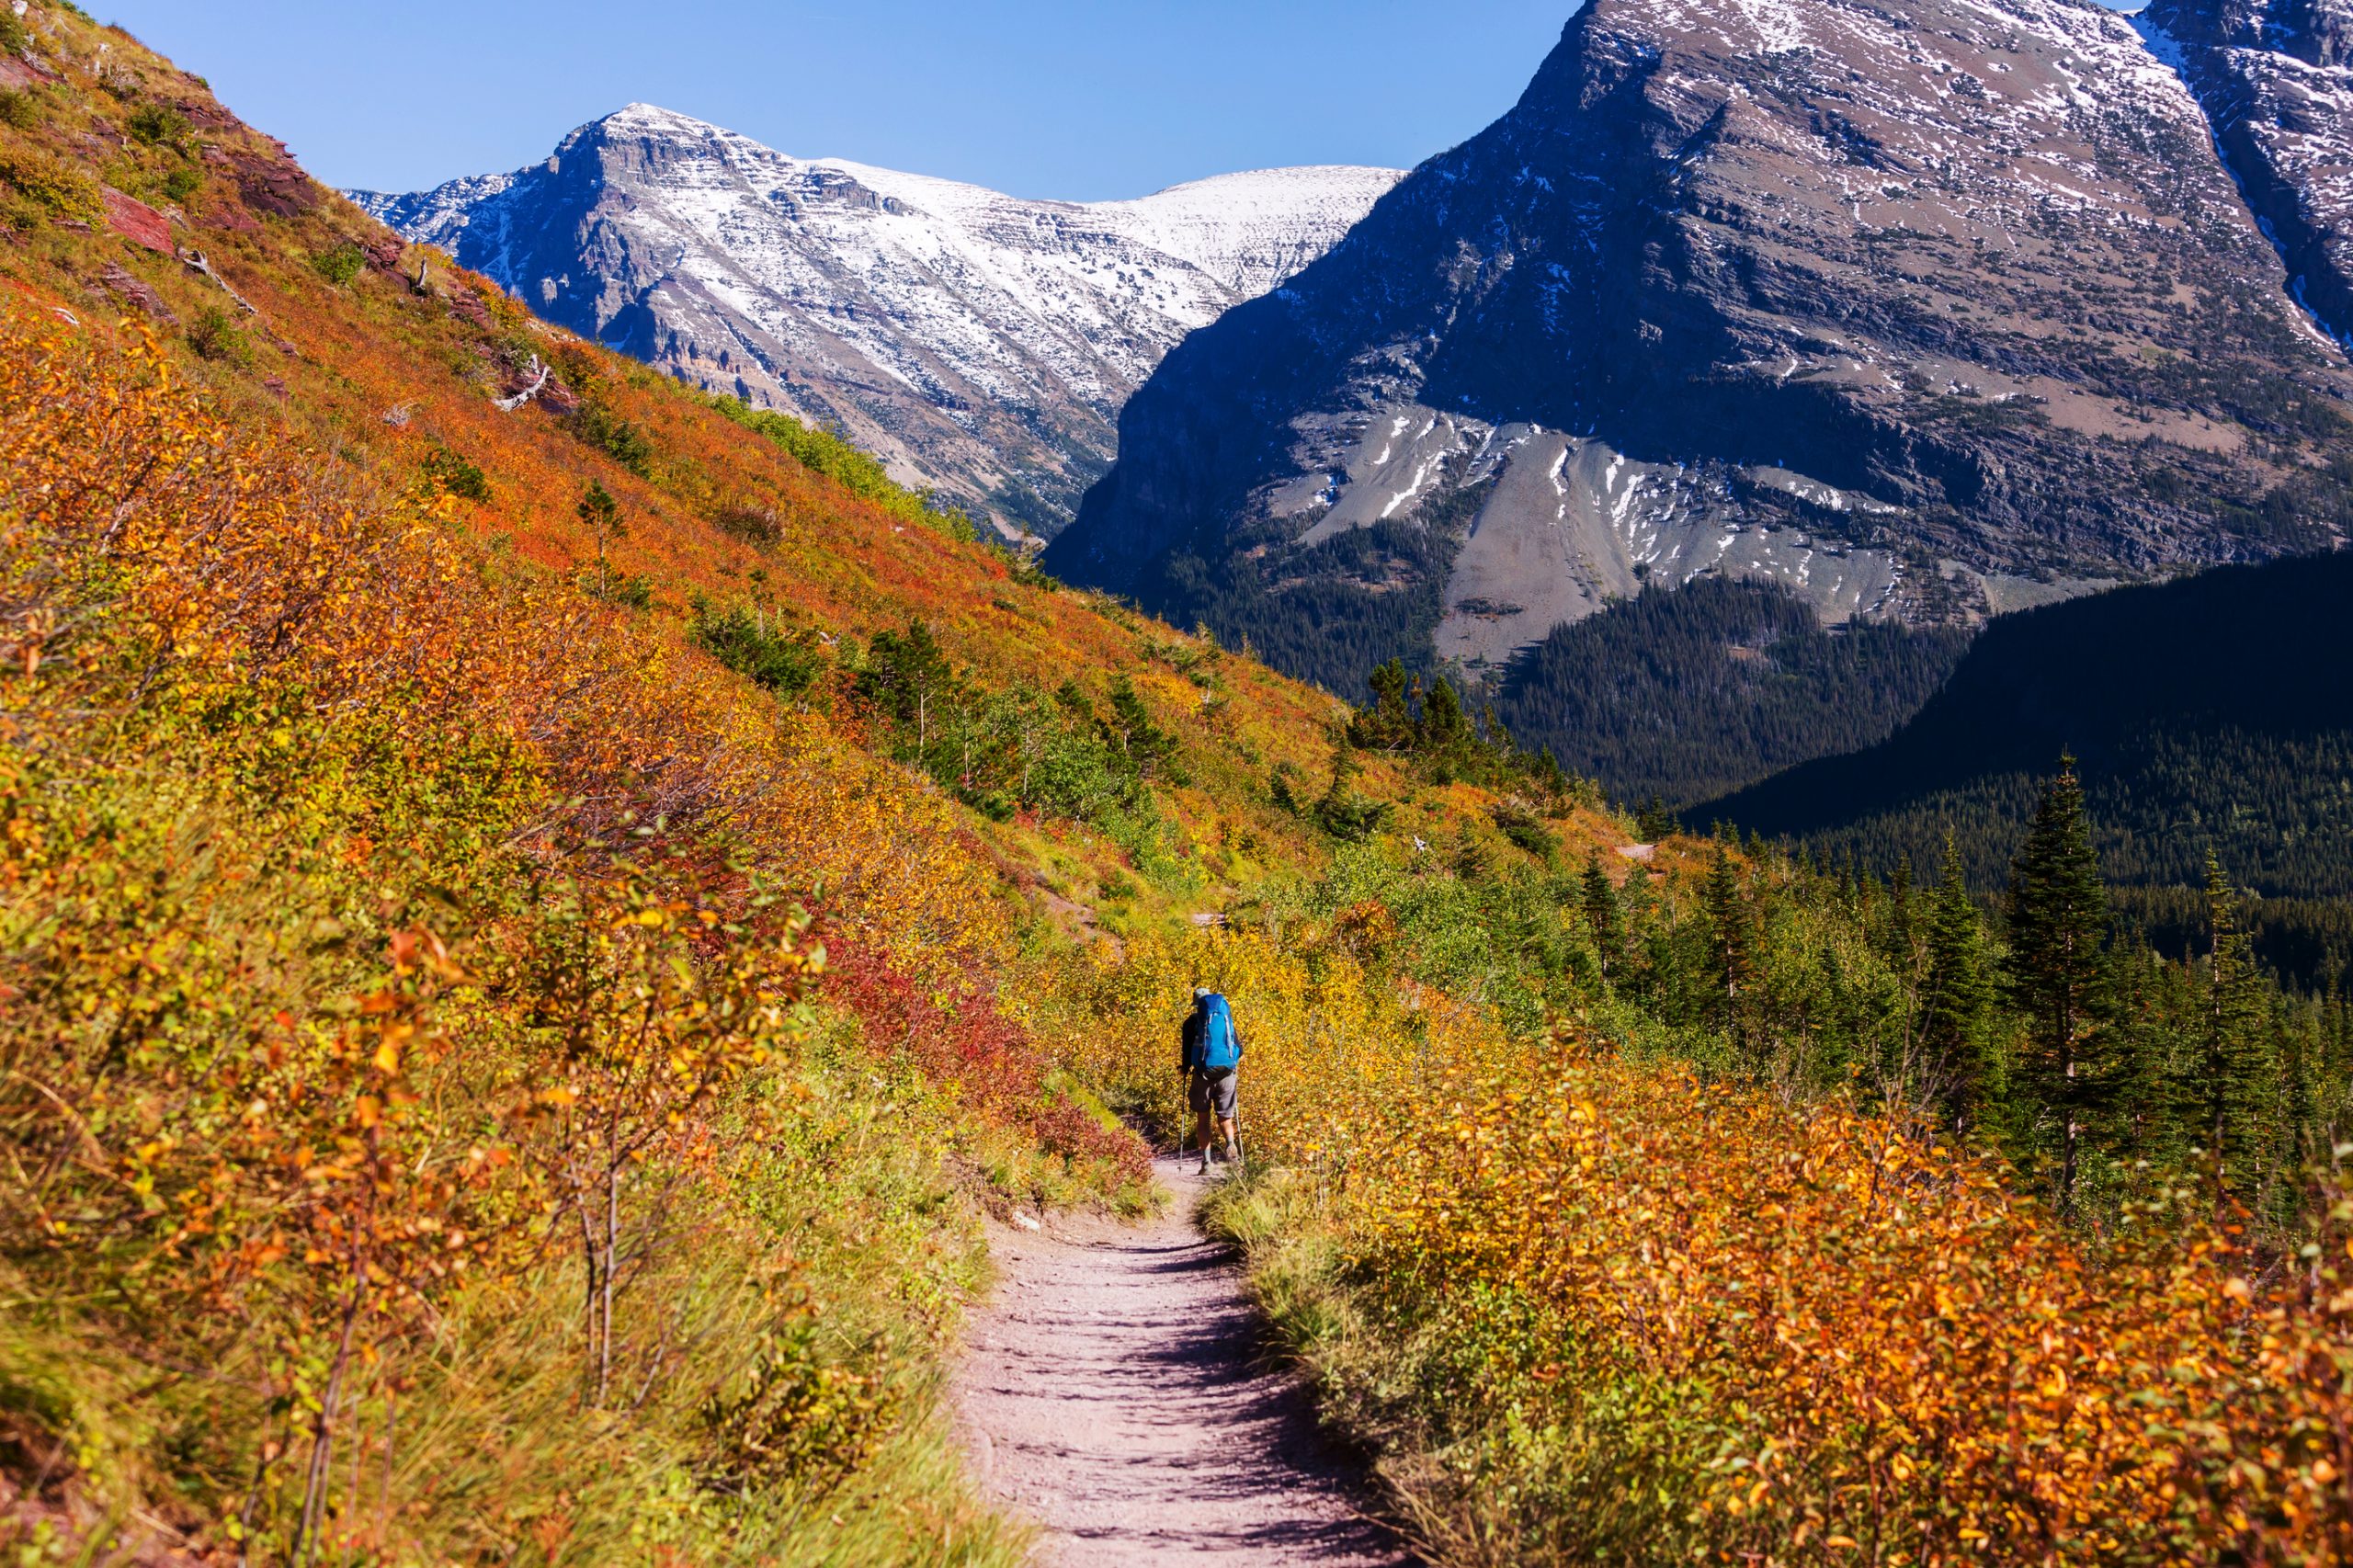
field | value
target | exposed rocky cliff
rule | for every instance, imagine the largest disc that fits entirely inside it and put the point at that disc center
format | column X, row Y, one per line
column 2276, row 78
column 980, row 343
column 1923, row 309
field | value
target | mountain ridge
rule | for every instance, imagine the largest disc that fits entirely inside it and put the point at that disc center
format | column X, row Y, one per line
column 980, row 343
column 1719, row 295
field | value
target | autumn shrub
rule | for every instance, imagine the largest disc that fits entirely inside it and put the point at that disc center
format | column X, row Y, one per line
column 340, row 263
column 215, row 336
column 1601, row 1309
column 374, row 991
column 823, row 452
column 961, row 1035
column 756, row 525
column 57, row 187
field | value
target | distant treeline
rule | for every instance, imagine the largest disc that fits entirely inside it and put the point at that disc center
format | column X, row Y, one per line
column 2212, row 714
column 1690, row 694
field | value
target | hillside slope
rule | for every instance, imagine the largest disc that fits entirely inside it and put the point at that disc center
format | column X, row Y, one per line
column 540, row 910
column 2207, row 713
column 981, row 343
column 1924, row 312
column 509, row 1041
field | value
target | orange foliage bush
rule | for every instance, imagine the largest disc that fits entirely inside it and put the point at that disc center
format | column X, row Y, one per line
column 1736, row 1328
column 370, row 922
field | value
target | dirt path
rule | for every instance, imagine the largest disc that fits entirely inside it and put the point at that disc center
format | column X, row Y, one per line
column 1110, row 1395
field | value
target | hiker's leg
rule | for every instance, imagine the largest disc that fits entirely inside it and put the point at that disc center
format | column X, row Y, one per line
column 1225, row 1136
column 1202, row 1132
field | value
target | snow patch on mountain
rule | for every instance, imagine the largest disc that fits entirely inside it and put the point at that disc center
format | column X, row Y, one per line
column 982, row 344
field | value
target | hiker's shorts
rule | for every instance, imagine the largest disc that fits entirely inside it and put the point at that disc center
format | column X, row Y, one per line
column 1214, row 1091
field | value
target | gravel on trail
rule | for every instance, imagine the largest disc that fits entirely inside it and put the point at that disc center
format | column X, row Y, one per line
column 1114, row 1393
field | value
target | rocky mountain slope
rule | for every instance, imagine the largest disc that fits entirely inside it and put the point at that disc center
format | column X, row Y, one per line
column 1924, row 310
column 2276, row 78
column 980, row 343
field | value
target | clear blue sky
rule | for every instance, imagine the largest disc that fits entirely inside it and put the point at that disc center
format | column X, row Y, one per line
column 1080, row 99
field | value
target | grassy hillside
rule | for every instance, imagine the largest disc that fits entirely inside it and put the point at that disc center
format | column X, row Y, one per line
column 521, row 914
column 535, row 933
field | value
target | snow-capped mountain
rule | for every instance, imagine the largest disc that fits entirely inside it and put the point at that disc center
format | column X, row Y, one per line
column 981, row 343
column 1923, row 310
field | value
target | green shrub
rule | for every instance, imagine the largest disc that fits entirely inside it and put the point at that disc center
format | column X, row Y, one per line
column 456, row 475
column 215, row 336
column 14, row 38
column 616, row 437
column 800, row 1417
column 182, row 183
column 757, row 649
column 1528, row 830
column 1351, row 817
column 158, row 125
column 341, row 264
column 20, row 110
column 630, row 590
column 1029, row 574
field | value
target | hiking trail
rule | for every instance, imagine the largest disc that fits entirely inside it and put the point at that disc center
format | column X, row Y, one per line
column 1113, row 1394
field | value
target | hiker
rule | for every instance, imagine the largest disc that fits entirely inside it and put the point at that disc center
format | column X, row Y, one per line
column 1211, row 1063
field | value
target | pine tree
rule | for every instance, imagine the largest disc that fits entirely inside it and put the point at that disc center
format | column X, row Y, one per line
column 1957, row 1006
column 1147, row 748
column 2058, row 920
column 2147, row 1100
column 1444, row 726
column 1731, row 943
column 2335, row 1063
column 910, row 679
column 2236, row 1077
column 2300, row 1142
column 1550, row 776
column 601, row 514
column 1604, row 916
column 1650, row 952
column 1388, row 724
column 1903, row 921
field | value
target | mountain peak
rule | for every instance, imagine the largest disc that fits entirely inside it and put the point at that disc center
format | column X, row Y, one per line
column 643, row 117
column 981, row 343
column 1920, row 311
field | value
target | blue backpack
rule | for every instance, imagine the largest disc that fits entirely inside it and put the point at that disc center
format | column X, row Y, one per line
column 1220, row 1047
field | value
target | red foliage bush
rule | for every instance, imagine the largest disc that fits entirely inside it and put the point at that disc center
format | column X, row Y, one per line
column 956, row 1035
